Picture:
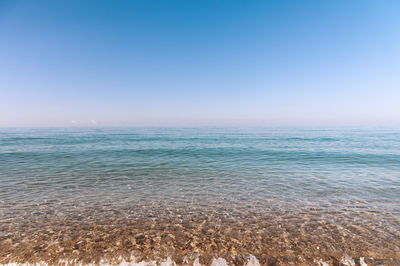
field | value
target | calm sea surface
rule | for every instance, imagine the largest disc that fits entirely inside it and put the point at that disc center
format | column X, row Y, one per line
column 284, row 195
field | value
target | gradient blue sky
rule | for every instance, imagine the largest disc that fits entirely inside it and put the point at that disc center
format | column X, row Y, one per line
column 202, row 62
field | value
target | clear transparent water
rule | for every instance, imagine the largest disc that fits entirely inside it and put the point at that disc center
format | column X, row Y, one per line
column 234, row 173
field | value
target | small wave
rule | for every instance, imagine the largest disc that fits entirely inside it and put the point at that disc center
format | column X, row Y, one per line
column 320, row 139
column 346, row 260
column 251, row 261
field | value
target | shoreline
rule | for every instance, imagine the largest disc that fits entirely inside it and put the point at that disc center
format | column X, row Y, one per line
column 248, row 260
column 195, row 260
column 265, row 238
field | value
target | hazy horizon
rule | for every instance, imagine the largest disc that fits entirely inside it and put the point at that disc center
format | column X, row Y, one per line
column 208, row 63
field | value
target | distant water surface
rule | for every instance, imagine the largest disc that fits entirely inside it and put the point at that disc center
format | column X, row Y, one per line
column 284, row 195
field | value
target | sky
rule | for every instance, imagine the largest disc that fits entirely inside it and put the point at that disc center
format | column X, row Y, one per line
column 195, row 63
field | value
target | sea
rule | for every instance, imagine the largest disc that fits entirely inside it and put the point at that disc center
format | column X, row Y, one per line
column 200, row 196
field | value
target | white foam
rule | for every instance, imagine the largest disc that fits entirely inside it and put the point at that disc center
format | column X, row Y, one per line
column 252, row 261
column 362, row 262
column 348, row 261
column 320, row 262
column 196, row 262
column 219, row 262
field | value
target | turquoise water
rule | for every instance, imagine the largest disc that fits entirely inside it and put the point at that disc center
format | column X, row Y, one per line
column 290, row 164
column 145, row 171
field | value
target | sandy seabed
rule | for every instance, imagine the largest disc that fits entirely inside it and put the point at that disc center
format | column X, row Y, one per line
column 164, row 237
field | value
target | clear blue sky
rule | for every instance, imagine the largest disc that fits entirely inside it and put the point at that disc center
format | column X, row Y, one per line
column 199, row 62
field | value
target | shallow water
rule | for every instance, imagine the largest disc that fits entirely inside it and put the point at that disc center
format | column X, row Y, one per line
column 284, row 195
